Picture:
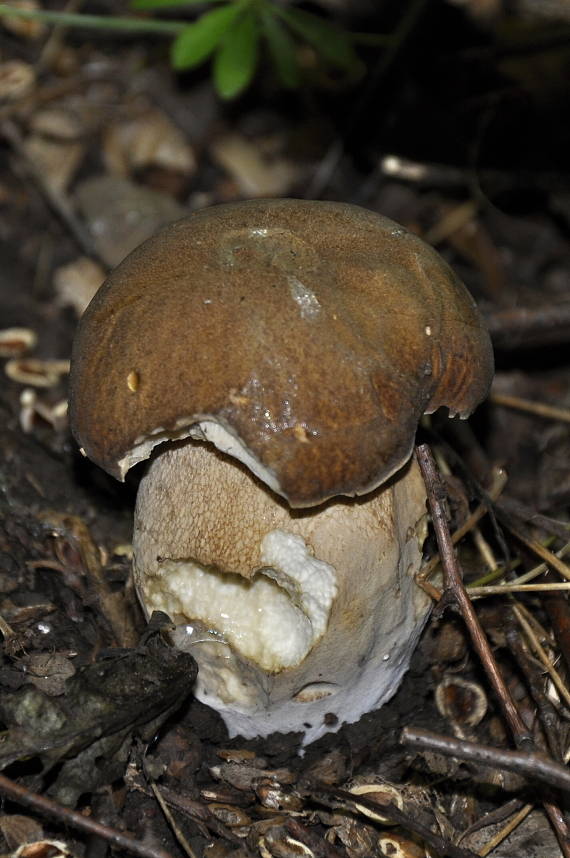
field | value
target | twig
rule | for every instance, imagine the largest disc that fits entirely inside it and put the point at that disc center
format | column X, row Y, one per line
column 429, row 568
column 506, row 830
column 493, row 817
column 513, row 587
column 197, row 811
column 533, row 573
column 541, row 653
column 533, row 765
column 541, row 633
column 442, row 176
column 454, row 589
column 540, row 409
column 534, row 675
column 555, row 605
column 521, row 328
column 407, row 821
column 172, row 822
column 558, row 611
column 73, row 819
column 6, row 629
column 536, row 547
column 526, row 514
column 97, row 22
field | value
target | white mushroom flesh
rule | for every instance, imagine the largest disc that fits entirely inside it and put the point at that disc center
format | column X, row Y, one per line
column 274, row 619
column 300, row 620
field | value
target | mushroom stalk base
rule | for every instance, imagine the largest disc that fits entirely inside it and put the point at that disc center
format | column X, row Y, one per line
column 299, row 620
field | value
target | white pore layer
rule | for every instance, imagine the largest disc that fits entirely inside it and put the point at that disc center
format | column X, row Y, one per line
column 211, row 430
column 274, row 619
column 203, row 430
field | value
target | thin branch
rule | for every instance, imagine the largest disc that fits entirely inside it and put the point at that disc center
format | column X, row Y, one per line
column 539, row 409
column 531, row 516
column 533, row 766
column 533, row 545
column 429, row 568
column 97, row 22
column 455, row 590
column 507, row 829
column 534, row 676
column 172, row 822
column 541, row 653
column 522, row 579
column 527, row 327
column 558, row 611
column 513, row 587
column 46, row 807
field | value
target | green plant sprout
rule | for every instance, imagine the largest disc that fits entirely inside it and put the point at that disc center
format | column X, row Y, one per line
column 231, row 34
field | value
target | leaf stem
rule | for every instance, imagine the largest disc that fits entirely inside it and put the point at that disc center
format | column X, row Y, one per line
column 96, row 22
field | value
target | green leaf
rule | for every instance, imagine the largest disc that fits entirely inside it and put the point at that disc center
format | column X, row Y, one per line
column 198, row 40
column 236, row 58
column 282, row 50
column 332, row 43
column 144, row 5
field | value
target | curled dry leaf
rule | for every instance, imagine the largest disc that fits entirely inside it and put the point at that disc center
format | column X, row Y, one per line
column 17, row 79
column 120, row 214
column 27, row 28
column 274, row 797
column 228, row 814
column 246, row 777
column 255, row 175
column 43, row 849
column 56, row 160
column 358, row 838
column 149, row 139
column 31, row 407
column 48, row 671
column 374, row 789
column 15, row 342
column 329, row 770
column 462, row 702
column 397, row 846
column 36, row 372
column 57, row 123
column 17, row 829
column 76, row 283
column 240, row 755
column 277, row 842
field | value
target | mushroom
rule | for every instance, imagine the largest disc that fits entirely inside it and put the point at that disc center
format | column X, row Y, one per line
column 279, row 354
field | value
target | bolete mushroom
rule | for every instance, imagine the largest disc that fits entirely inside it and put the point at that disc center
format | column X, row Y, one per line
column 281, row 353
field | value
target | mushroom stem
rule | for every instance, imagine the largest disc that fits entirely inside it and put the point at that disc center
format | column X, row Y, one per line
column 296, row 617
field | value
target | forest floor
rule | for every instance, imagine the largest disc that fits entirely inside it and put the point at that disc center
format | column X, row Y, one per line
column 455, row 130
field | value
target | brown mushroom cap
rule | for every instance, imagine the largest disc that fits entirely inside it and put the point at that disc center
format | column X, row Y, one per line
column 317, row 333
